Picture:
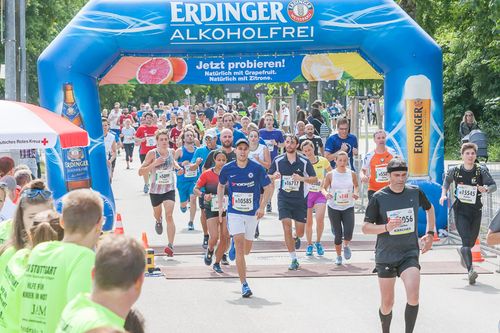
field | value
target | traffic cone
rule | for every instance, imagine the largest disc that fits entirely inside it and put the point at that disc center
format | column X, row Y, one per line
column 119, row 225
column 476, row 252
column 145, row 242
column 436, row 236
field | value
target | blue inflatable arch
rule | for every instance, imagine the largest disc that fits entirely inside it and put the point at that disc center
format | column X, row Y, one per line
column 380, row 31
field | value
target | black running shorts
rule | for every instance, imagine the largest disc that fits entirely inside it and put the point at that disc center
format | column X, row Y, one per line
column 393, row 270
column 158, row 199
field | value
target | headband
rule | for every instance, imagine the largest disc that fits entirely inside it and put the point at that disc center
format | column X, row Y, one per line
column 397, row 168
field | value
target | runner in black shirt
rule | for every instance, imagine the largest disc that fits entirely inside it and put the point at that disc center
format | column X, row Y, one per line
column 392, row 215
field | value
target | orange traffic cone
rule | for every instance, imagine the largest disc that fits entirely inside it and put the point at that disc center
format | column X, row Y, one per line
column 145, row 242
column 119, row 225
column 436, row 236
column 476, row 252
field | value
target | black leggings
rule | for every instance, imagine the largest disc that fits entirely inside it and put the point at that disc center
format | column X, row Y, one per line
column 341, row 219
column 129, row 151
column 468, row 222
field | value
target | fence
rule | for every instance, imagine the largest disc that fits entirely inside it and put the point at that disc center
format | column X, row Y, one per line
column 491, row 204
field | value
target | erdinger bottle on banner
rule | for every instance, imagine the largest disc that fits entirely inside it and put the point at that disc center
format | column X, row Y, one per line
column 76, row 160
column 417, row 95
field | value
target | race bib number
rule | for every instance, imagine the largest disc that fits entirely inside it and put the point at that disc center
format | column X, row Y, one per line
column 150, row 141
column 164, row 177
column 342, row 197
column 381, row 175
column 289, row 185
column 214, row 204
column 242, row 202
column 188, row 173
column 466, row 193
column 316, row 187
column 407, row 217
column 270, row 145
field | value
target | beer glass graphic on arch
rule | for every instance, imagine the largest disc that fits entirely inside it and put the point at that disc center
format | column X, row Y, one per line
column 417, row 95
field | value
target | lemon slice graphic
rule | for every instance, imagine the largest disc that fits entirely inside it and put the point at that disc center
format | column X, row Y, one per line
column 319, row 67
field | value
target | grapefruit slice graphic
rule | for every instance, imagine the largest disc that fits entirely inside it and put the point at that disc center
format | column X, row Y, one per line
column 179, row 67
column 155, row 71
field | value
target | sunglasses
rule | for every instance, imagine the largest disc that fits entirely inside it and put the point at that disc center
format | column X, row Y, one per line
column 33, row 193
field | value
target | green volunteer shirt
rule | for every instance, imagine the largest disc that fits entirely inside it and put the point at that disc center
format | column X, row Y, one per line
column 82, row 315
column 326, row 117
column 5, row 230
column 10, row 293
column 4, row 259
column 56, row 273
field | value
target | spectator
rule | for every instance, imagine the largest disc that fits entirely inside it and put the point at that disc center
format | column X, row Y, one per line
column 23, row 177
column 6, row 166
column 285, row 117
column 468, row 124
column 209, row 111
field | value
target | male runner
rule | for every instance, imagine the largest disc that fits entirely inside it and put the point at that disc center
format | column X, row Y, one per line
column 187, row 179
column 342, row 141
column 244, row 179
column 294, row 170
column 145, row 134
column 161, row 165
column 226, row 138
column 176, row 131
column 274, row 141
column 228, row 122
column 374, row 169
column 392, row 215
column 315, row 139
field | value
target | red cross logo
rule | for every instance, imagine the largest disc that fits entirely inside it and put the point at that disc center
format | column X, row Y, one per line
column 45, row 141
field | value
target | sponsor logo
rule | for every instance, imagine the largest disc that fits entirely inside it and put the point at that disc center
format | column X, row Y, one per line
column 249, row 184
column 300, row 11
column 250, row 175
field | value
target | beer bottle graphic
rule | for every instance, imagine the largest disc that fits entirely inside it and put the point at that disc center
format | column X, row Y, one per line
column 75, row 160
column 417, row 95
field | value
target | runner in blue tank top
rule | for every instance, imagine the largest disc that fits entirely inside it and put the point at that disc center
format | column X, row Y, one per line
column 186, row 179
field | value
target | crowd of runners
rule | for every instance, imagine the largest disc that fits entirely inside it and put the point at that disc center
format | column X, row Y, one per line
column 226, row 160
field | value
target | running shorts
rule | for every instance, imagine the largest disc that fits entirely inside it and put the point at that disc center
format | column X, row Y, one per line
column 292, row 209
column 210, row 215
column 142, row 157
column 314, row 198
column 242, row 224
column 158, row 199
column 185, row 189
column 392, row 270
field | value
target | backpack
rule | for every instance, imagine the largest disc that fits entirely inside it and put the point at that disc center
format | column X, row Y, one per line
column 324, row 130
column 477, row 168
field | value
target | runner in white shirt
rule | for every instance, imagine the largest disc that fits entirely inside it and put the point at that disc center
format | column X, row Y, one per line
column 110, row 147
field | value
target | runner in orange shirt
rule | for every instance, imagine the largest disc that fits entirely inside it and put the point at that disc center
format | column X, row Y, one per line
column 374, row 169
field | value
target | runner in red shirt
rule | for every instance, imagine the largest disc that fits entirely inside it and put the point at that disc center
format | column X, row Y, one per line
column 175, row 132
column 146, row 136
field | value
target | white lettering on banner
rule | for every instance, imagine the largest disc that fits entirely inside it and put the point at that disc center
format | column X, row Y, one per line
column 199, row 13
column 240, row 35
column 231, row 65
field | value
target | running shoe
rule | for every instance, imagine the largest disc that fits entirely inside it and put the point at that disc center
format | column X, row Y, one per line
column 232, row 251
column 146, row 188
column 309, row 250
column 294, row 265
column 184, row 209
column 205, row 241
column 245, row 290
column 159, row 227
column 190, row 226
column 224, row 260
column 169, row 251
column 297, row 243
column 217, row 268
column 347, row 252
column 208, row 257
column 319, row 248
column 338, row 261
column 269, row 209
column 472, row 277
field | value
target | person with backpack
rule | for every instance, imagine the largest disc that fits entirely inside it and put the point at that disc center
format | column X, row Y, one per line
column 321, row 127
column 471, row 181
